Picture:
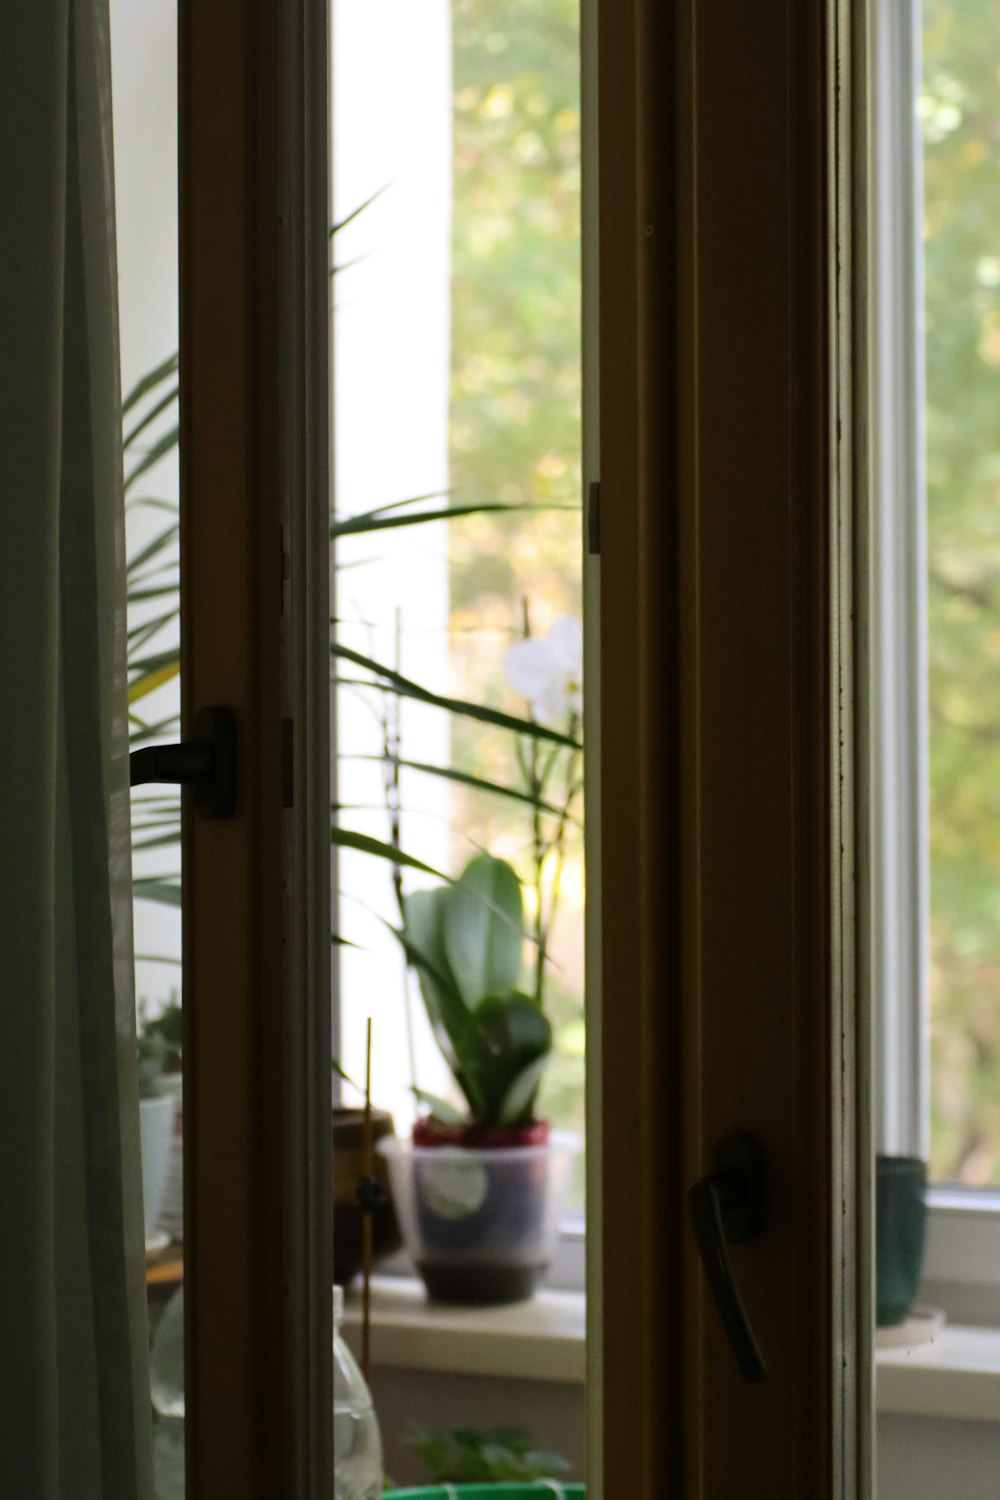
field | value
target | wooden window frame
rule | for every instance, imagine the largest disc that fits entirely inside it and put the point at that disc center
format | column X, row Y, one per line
column 721, row 974
column 255, row 637
column 729, row 215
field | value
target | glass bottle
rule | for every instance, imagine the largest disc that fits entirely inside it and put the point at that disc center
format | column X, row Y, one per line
column 357, row 1445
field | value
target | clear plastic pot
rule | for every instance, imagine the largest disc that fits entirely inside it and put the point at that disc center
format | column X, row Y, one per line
column 480, row 1224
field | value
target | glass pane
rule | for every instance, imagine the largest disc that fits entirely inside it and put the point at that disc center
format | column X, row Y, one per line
column 456, row 293
column 937, row 344
column 960, row 120
column 144, row 63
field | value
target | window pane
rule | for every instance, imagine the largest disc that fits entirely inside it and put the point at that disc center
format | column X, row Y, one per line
column 457, row 350
column 960, row 117
column 144, row 63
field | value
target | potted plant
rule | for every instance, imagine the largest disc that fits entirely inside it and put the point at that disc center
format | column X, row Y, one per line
column 479, row 1195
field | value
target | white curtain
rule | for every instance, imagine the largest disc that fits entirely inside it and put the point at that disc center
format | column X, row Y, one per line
column 74, row 1396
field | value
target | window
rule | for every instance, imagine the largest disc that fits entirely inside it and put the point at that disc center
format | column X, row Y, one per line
column 936, row 621
column 457, row 353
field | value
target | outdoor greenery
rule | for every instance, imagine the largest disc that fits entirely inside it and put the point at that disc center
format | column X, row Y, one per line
column 960, row 114
column 515, row 429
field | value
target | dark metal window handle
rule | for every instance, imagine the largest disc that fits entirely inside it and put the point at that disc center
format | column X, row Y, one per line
column 207, row 763
column 731, row 1203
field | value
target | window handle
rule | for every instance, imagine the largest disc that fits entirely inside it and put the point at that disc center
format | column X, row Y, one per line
column 731, row 1204
column 207, row 763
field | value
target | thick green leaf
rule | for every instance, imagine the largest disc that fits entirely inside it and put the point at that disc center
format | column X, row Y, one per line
column 423, row 941
column 482, row 929
column 505, row 1052
column 518, row 1104
column 446, row 1011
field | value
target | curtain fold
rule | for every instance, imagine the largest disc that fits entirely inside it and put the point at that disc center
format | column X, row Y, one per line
column 74, row 1393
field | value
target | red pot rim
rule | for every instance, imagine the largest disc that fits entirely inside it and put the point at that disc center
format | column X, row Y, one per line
column 430, row 1131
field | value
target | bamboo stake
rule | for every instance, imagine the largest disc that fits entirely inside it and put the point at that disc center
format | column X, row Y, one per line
column 366, row 1219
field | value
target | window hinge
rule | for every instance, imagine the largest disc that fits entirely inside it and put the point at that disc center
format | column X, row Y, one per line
column 594, row 517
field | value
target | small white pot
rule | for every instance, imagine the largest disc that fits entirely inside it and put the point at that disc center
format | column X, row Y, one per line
column 156, row 1127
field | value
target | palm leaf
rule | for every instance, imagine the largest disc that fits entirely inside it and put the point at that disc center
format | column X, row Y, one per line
column 346, row 838
column 158, row 889
column 161, row 447
column 153, row 549
column 151, row 416
column 149, row 382
column 409, row 689
column 154, row 677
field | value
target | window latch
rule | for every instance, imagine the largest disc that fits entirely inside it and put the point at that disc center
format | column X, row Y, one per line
column 207, row 763
column 731, row 1204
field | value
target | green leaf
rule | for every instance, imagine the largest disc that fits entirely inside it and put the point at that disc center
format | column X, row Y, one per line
column 421, row 939
column 408, row 689
column 482, row 929
column 137, row 596
column 362, row 525
column 152, row 674
column 439, row 1107
column 160, row 890
column 464, row 778
column 346, row 838
column 160, row 448
column 349, row 218
column 507, row 1050
column 149, row 417
column 149, row 382
column 346, row 1077
column 159, row 841
column 518, row 1104
column 154, row 548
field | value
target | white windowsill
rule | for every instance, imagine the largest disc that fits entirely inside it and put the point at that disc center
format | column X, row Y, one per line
column 958, row 1376
column 544, row 1339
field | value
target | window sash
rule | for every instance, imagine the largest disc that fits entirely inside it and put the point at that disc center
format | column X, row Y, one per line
column 898, row 608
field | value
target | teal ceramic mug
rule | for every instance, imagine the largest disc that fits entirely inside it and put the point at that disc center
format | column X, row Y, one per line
column 900, row 1221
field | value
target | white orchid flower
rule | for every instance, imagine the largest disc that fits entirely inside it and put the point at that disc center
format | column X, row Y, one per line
column 548, row 671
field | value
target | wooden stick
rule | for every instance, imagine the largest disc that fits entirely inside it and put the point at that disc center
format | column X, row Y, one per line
column 366, row 1220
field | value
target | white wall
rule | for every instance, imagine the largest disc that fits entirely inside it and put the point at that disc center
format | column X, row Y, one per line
column 920, row 1458
column 392, row 137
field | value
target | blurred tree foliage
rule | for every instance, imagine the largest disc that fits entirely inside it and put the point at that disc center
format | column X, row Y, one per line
column 960, row 114
column 515, row 414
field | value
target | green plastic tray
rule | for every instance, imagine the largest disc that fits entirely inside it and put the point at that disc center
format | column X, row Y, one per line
column 550, row 1487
